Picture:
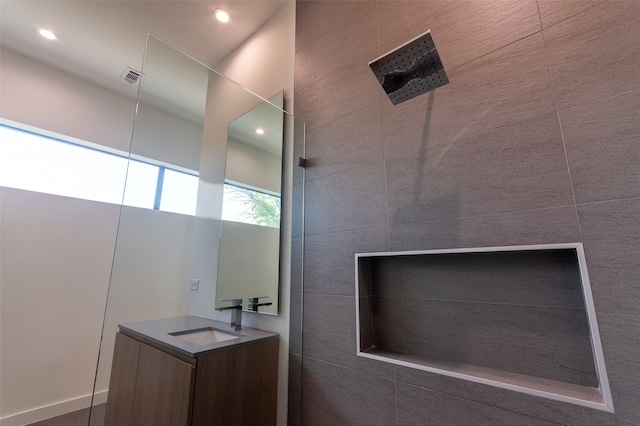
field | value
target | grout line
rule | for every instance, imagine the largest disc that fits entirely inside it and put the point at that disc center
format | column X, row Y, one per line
column 498, row 48
column 601, row 99
column 564, row 145
column 481, row 302
column 450, row 395
column 386, row 202
column 616, row 314
column 383, row 141
column 359, row 370
column 612, row 200
column 422, row 222
column 395, row 393
column 573, row 15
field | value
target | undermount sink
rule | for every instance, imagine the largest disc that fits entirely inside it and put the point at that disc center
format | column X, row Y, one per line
column 205, row 336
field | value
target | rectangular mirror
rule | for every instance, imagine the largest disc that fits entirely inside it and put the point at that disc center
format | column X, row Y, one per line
column 249, row 258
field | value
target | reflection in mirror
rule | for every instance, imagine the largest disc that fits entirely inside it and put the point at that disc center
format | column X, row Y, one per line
column 248, row 263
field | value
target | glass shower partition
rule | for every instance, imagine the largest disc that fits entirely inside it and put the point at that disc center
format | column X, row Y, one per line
column 165, row 261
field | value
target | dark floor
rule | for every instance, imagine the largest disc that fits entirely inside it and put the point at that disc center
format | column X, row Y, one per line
column 76, row 418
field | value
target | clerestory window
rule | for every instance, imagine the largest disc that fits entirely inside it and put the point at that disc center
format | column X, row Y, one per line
column 37, row 162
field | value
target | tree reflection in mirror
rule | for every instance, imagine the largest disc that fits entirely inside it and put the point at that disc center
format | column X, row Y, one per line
column 246, row 205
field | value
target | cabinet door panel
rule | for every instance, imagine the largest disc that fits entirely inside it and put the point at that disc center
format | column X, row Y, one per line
column 163, row 389
column 256, row 384
column 122, row 385
column 215, row 391
column 237, row 387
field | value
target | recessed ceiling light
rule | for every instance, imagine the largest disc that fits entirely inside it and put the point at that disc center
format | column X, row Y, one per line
column 221, row 15
column 47, row 34
column 260, row 131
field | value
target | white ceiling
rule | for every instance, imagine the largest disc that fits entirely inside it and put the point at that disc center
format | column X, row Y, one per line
column 266, row 117
column 98, row 39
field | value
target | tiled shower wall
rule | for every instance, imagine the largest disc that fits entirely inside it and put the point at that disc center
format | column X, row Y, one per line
column 535, row 140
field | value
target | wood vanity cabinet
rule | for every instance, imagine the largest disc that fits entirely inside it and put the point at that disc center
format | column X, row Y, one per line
column 155, row 385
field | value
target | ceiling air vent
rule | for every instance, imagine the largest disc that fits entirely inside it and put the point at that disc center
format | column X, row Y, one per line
column 131, row 76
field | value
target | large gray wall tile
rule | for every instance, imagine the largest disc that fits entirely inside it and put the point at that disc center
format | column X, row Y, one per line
column 401, row 21
column 295, row 323
column 329, row 49
column 547, row 226
column 366, row 323
column 342, row 93
column 353, row 199
column 547, row 409
column 520, row 166
column 296, row 264
column 542, row 278
column 595, row 54
column 336, row 396
column 338, row 80
column 308, row 26
column 550, row 343
column 504, row 87
column 621, row 340
column 316, row 19
column 347, row 142
column 298, row 149
column 330, row 333
column 462, row 30
column 611, row 231
column 303, row 86
column 294, row 411
column 388, row 323
column 418, row 407
column 603, row 147
column 330, row 259
column 554, row 11
column 297, row 210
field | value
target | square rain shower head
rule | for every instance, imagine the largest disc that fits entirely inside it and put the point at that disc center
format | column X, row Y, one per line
column 410, row 70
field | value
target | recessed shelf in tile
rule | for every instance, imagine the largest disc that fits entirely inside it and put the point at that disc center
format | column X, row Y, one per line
column 519, row 317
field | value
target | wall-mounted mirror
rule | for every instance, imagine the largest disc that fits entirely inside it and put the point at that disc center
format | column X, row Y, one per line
column 249, row 258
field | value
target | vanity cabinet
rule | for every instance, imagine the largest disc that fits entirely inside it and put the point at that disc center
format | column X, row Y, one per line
column 154, row 384
column 148, row 386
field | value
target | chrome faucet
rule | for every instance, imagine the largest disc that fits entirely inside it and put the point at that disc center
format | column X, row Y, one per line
column 254, row 303
column 236, row 313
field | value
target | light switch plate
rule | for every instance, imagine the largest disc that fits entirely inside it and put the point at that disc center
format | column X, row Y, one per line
column 194, row 284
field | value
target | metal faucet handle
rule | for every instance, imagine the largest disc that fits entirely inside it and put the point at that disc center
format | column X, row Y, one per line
column 236, row 312
column 237, row 304
column 254, row 303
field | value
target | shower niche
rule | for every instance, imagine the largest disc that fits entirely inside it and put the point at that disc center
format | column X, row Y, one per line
column 519, row 318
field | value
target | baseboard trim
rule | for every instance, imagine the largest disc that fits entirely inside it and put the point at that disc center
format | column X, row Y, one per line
column 52, row 410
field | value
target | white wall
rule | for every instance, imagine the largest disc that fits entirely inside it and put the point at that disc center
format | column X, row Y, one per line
column 56, row 254
column 54, row 271
column 254, row 167
column 150, row 275
column 167, row 138
column 44, row 97
column 56, row 251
